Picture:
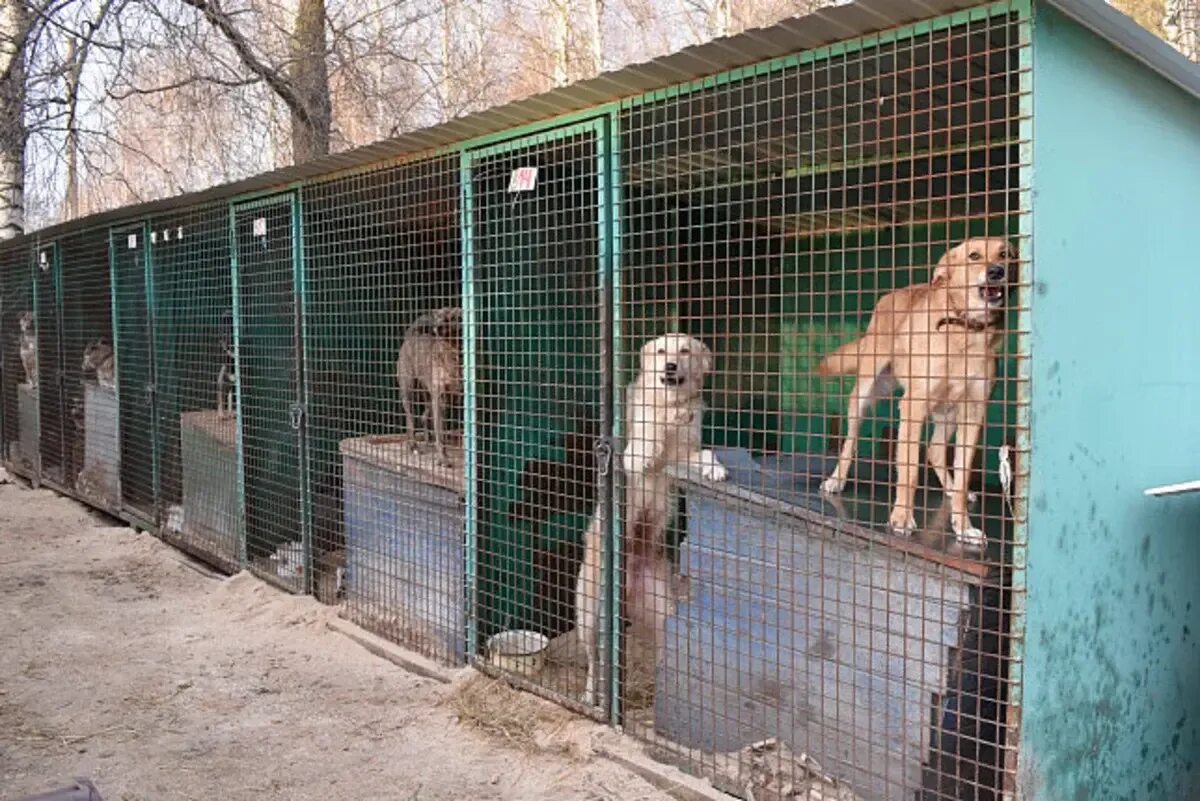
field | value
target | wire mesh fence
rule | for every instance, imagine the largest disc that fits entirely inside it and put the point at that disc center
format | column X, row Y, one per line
column 90, row 444
column 18, row 358
column 196, row 380
column 384, row 374
column 702, row 413
column 270, row 384
column 137, row 422
column 537, row 222
column 51, row 373
column 843, row 233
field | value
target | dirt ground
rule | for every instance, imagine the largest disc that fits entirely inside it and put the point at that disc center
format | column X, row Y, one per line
column 122, row 663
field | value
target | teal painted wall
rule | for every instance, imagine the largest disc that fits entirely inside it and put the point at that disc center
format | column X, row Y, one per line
column 1112, row 667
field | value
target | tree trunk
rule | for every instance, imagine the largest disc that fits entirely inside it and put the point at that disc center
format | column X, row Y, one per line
column 74, row 70
column 449, row 73
column 1181, row 24
column 720, row 19
column 560, row 27
column 310, row 80
column 595, row 49
column 15, row 21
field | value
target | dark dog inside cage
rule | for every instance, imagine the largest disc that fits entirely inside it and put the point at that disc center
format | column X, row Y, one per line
column 548, row 488
column 967, row 743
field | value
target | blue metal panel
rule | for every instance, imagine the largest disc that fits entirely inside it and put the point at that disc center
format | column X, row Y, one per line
column 1112, row 664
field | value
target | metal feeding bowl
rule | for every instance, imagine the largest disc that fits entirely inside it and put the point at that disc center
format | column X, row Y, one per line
column 518, row 651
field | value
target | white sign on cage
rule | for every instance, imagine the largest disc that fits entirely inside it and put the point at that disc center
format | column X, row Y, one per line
column 131, row 242
column 260, row 226
column 523, row 179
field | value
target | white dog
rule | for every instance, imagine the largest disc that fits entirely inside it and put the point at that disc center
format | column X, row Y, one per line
column 665, row 415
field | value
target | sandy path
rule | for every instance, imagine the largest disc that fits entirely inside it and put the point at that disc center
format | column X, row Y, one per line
column 121, row 663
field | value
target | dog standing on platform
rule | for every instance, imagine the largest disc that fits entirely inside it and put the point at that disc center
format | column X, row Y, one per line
column 938, row 342
column 431, row 357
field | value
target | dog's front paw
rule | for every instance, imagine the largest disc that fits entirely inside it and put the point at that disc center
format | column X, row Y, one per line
column 710, row 468
column 902, row 521
column 634, row 461
column 971, row 539
column 832, row 486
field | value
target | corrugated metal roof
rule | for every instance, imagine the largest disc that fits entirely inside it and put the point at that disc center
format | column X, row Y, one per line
column 824, row 27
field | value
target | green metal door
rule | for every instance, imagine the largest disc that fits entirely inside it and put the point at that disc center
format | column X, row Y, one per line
column 133, row 326
column 539, row 376
column 269, row 339
column 51, row 372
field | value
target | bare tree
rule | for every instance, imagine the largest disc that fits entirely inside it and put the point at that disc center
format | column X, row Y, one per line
column 16, row 20
column 594, row 36
column 559, row 21
column 1181, row 26
column 302, row 83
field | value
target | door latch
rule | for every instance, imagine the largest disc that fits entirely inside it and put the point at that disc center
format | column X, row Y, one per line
column 296, row 415
column 604, row 452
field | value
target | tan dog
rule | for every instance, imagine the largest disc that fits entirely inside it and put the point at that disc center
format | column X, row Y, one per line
column 937, row 341
column 665, row 415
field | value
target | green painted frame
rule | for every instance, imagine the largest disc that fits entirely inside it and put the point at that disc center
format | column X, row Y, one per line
column 292, row 197
column 603, row 128
column 142, row 229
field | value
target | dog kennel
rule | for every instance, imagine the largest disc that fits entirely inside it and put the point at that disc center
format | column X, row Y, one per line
column 90, row 445
column 762, row 194
column 386, row 517
column 196, row 441
column 18, row 400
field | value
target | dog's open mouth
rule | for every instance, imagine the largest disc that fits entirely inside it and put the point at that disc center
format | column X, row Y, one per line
column 992, row 294
column 672, row 379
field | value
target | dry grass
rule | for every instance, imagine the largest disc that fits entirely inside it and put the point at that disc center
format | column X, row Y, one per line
column 497, row 709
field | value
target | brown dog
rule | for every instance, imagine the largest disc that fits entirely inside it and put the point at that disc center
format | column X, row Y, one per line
column 937, row 341
column 431, row 357
column 665, row 415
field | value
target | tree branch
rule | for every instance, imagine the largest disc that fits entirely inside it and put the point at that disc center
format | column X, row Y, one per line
column 278, row 83
column 194, row 79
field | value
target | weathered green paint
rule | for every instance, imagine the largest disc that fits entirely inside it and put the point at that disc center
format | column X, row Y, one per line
column 1112, row 662
column 470, row 425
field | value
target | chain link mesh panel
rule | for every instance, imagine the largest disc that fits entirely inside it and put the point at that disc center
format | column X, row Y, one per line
column 91, row 449
column 537, row 228
column 197, row 410
column 384, row 330
column 17, row 398
column 270, row 387
column 129, row 256
column 809, row 628
column 51, row 373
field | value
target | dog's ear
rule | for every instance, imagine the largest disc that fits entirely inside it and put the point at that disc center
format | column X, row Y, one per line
column 706, row 356
column 941, row 270
column 648, row 351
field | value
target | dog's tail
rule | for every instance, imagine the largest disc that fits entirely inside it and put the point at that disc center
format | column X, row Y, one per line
column 842, row 361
